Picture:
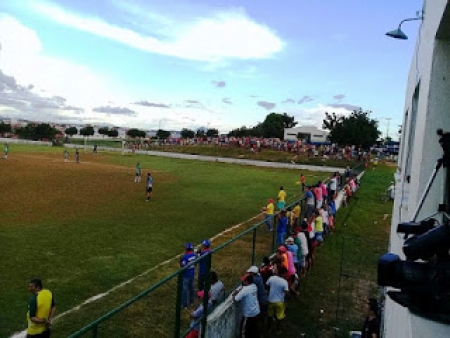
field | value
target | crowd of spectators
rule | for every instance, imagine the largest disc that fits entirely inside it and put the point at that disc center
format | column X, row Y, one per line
column 265, row 289
column 259, row 144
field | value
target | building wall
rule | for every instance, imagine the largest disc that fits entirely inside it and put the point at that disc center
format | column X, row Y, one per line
column 316, row 134
column 427, row 95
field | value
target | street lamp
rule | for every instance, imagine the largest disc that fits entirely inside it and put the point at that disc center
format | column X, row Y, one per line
column 388, row 119
column 398, row 33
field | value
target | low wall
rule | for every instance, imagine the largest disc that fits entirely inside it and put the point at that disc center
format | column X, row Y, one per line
column 22, row 141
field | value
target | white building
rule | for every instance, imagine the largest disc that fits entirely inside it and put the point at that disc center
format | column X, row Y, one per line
column 427, row 108
column 309, row 134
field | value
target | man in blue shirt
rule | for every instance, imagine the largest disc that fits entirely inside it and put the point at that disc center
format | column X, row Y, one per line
column 187, row 297
column 202, row 265
column 248, row 296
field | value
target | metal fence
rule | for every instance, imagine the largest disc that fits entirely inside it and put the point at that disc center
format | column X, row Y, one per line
column 357, row 282
column 157, row 311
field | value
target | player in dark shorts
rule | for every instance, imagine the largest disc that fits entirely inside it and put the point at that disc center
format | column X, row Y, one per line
column 149, row 186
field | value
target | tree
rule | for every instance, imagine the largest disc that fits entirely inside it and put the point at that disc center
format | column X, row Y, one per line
column 288, row 121
column 87, row 131
column 71, row 131
column 331, row 120
column 133, row 133
column 113, row 133
column 5, row 128
column 200, row 132
column 187, row 133
column 34, row 131
column 103, row 131
column 357, row 128
column 273, row 126
column 212, row 132
column 162, row 134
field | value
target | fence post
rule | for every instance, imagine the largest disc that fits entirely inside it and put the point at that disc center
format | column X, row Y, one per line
column 206, row 294
column 274, row 231
column 254, row 246
column 176, row 330
column 95, row 332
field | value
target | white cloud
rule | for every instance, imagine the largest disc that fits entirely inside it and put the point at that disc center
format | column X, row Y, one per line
column 223, row 35
column 315, row 115
column 21, row 56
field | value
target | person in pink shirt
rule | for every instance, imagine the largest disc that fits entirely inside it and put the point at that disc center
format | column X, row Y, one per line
column 324, row 192
column 290, row 276
column 318, row 193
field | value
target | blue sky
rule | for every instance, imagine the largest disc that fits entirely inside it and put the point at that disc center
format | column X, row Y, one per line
column 213, row 63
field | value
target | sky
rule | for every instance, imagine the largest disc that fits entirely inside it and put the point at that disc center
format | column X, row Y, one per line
column 221, row 64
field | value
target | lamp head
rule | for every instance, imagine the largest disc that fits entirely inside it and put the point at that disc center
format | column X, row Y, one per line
column 397, row 34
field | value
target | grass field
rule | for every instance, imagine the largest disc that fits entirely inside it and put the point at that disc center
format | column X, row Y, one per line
column 84, row 228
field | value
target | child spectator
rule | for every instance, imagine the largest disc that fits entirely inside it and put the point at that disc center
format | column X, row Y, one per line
column 278, row 289
column 196, row 316
column 318, row 194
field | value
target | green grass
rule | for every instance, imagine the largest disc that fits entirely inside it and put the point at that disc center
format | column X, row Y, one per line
column 85, row 228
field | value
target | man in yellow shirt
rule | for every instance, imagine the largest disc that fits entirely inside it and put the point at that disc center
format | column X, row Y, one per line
column 41, row 309
column 296, row 215
column 268, row 212
column 281, row 199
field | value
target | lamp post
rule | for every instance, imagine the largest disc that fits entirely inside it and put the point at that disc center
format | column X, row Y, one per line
column 388, row 119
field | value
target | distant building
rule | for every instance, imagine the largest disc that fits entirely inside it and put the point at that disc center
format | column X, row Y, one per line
column 427, row 109
column 310, row 134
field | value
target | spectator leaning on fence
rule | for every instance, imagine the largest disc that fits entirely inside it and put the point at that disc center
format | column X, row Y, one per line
column 259, row 282
column 247, row 295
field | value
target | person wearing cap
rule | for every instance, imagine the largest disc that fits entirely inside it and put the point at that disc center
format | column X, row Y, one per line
column 196, row 316
column 262, row 294
column 202, row 265
column 247, row 295
column 268, row 212
column 281, row 199
column 278, row 289
column 187, row 296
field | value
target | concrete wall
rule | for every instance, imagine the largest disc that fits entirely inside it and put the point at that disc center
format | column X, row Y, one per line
column 428, row 98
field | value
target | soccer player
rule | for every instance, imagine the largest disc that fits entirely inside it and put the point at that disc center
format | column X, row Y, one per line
column 6, row 150
column 77, row 155
column 149, row 186
column 137, row 177
column 66, row 155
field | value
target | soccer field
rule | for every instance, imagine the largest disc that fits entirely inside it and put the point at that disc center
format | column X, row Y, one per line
column 84, row 228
